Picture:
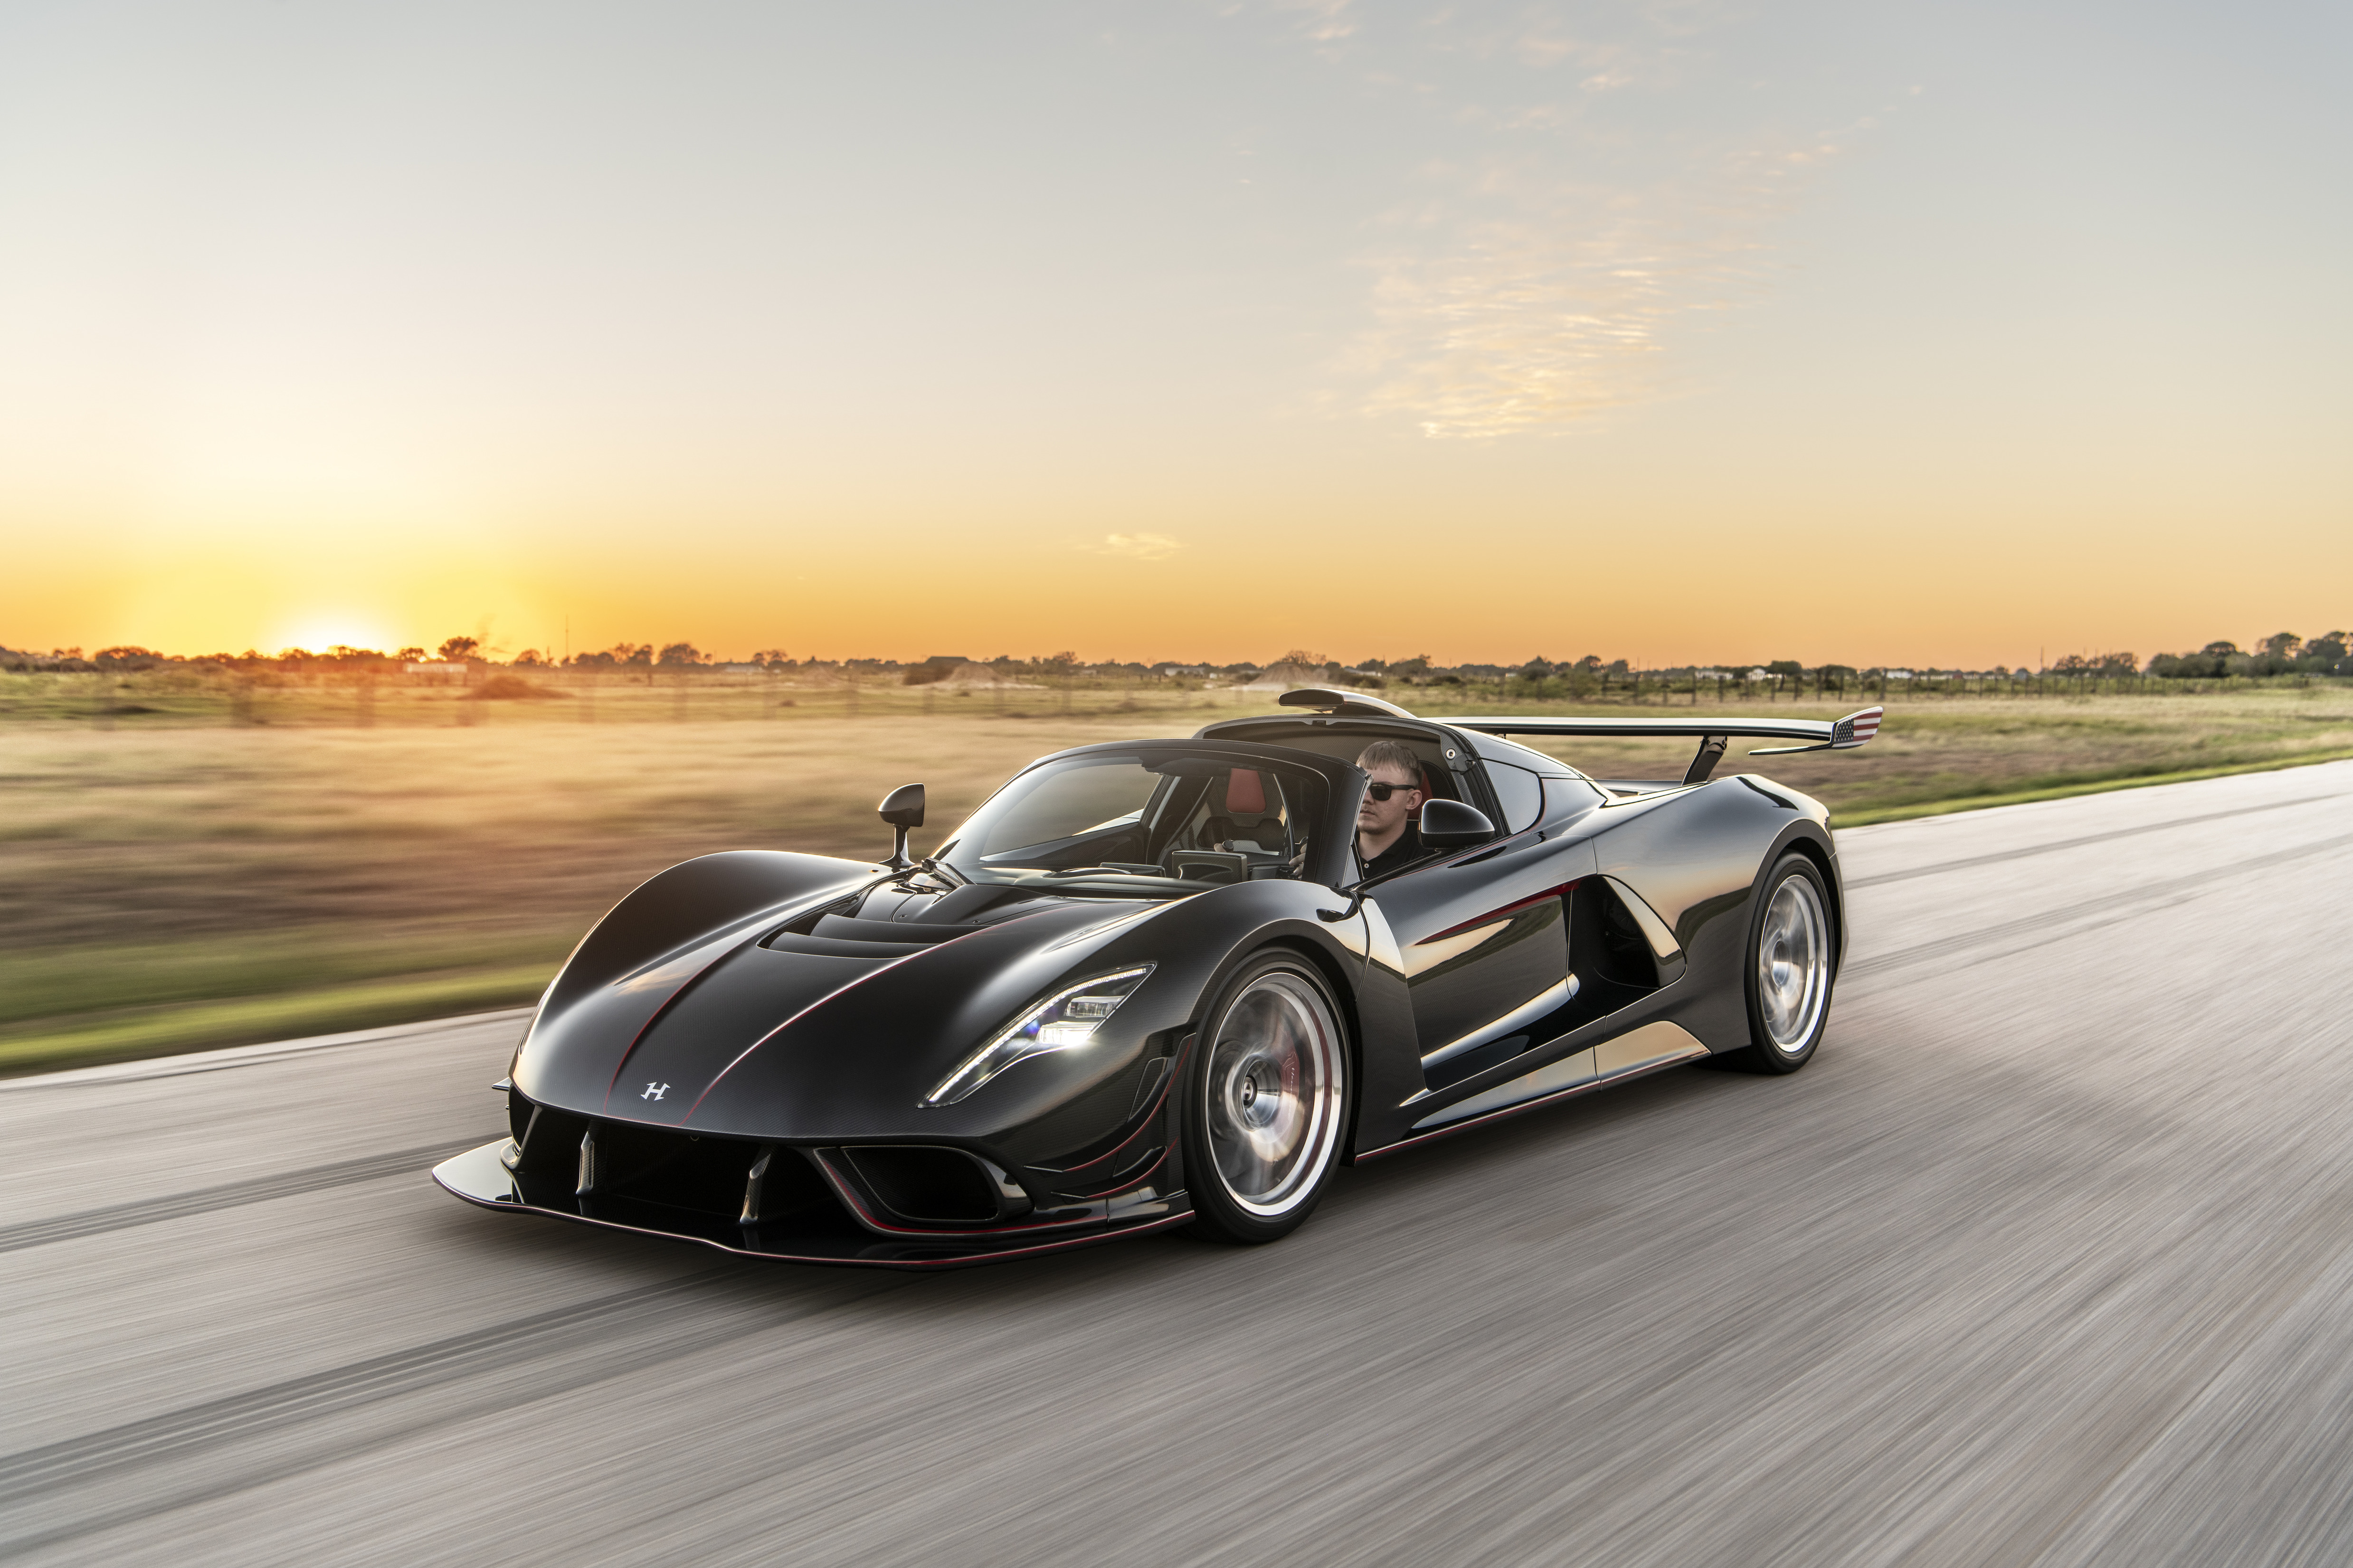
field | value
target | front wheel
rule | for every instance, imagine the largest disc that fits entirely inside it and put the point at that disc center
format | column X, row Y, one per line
column 1266, row 1101
column 1790, row 966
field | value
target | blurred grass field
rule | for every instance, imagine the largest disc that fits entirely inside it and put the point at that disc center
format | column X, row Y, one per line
column 185, row 865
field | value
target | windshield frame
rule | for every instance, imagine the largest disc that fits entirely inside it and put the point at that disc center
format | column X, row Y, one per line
column 1331, row 843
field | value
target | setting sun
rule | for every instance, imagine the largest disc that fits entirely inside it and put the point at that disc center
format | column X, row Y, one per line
column 320, row 633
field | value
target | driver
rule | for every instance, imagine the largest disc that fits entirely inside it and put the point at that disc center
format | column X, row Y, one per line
column 1387, row 839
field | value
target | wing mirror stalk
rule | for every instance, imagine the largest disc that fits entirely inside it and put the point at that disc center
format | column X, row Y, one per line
column 1355, row 903
column 902, row 809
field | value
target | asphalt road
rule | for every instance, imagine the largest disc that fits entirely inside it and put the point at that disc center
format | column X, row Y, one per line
column 2047, row 1258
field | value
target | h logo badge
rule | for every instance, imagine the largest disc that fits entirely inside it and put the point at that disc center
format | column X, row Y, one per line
column 655, row 1091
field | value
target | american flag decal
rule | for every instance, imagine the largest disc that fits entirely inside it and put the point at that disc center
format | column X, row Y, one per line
column 1855, row 729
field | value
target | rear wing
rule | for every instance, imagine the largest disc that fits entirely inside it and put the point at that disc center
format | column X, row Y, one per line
column 1713, row 734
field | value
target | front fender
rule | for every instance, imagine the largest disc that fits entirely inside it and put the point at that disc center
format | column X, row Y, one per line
column 1042, row 1106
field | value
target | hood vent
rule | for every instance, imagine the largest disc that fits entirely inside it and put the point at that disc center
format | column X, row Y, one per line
column 842, row 928
column 839, row 936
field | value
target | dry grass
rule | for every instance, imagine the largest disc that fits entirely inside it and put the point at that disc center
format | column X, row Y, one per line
column 179, row 878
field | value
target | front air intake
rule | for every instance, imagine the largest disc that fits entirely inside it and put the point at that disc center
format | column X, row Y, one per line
column 560, row 1155
column 929, row 1185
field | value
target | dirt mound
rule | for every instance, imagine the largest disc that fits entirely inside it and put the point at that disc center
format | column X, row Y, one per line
column 511, row 688
column 969, row 675
column 1283, row 677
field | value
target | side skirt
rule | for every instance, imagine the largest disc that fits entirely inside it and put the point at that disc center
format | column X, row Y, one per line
column 1654, row 1048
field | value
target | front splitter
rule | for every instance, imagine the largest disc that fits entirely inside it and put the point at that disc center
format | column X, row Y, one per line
column 481, row 1177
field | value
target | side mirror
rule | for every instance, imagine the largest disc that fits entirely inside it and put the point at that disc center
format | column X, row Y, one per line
column 901, row 809
column 1450, row 825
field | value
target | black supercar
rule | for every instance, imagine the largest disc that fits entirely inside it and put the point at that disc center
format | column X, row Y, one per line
column 1148, row 985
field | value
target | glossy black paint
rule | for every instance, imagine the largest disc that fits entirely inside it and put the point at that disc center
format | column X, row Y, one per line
column 758, row 1017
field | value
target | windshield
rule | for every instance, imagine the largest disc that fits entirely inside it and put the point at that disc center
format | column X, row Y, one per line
column 1198, row 820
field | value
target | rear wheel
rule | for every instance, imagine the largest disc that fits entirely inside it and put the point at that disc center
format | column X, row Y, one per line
column 1266, row 1101
column 1791, row 949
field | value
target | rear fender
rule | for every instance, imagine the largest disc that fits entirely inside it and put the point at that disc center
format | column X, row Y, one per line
column 1699, row 856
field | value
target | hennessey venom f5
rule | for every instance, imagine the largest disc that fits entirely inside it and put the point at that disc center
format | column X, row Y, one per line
column 1148, row 983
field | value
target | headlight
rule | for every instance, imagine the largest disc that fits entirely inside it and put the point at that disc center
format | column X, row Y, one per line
column 1067, row 1019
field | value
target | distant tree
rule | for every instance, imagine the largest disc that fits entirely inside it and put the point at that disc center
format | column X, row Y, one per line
column 1417, row 664
column 1834, row 675
column 1537, row 669
column 410, row 654
column 678, row 655
column 459, row 648
column 2185, row 666
column 1062, row 663
column 769, row 656
column 531, row 658
column 641, row 655
column 1301, row 656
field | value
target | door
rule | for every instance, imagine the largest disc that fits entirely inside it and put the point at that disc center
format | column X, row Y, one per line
column 1484, row 945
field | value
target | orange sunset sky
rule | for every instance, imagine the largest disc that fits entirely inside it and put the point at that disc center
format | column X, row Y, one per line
column 1834, row 331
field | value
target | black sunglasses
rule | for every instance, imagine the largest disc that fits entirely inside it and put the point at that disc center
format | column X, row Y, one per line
column 1383, row 791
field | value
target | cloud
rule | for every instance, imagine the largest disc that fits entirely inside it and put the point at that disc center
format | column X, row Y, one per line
column 1599, row 194
column 1320, row 21
column 1533, row 320
column 1514, row 304
column 1138, row 546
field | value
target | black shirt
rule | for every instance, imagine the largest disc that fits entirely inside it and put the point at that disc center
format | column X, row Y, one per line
column 1404, row 852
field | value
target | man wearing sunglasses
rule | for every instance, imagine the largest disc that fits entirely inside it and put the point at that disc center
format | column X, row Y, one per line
column 1387, row 839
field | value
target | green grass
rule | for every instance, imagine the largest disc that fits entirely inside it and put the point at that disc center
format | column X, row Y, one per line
column 2064, row 785
column 275, row 1015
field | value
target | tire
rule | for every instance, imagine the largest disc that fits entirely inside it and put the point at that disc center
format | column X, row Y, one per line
column 1788, row 968
column 1266, row 1102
